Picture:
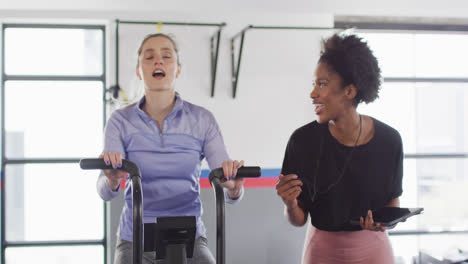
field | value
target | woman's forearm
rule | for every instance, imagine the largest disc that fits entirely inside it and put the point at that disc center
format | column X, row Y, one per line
column 295, row 215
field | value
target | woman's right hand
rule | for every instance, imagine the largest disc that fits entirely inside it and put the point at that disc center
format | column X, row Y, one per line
column 289, row 188
column 115, row 176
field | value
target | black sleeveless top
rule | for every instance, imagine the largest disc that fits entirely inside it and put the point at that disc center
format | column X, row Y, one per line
column 371, row 179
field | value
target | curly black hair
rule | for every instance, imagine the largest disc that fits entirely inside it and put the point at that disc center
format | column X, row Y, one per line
column 352, row 59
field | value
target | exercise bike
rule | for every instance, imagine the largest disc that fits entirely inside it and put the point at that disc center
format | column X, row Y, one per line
column 171, row 237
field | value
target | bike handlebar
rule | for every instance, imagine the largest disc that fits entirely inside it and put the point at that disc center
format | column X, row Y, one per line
column 99, row 164
column 244, row 172
column 137, row 199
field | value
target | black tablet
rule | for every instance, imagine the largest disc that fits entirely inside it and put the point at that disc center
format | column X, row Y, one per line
column 389, row 216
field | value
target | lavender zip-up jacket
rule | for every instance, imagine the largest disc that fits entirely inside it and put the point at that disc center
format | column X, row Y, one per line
column 169, row 160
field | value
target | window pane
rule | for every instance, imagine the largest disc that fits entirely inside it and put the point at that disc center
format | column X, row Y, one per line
column 442, row 185
column 441, row 55
column 49, row 51
column 53, row 119
column 441, row 246
column 431, row 117
column 441, row 113
column 438, row 185
column 52, row 202
column 420, row 55
column 394, row 51
column 55, row 255
column 406, row 248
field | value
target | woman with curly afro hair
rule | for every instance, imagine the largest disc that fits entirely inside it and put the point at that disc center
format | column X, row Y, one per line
column 344, row 165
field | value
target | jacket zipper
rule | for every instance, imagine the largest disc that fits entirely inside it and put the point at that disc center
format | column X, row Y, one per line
column 161, row 133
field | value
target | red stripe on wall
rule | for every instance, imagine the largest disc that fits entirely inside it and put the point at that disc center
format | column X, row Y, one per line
column 249, row 183
column 205, row 183
column 266, row 182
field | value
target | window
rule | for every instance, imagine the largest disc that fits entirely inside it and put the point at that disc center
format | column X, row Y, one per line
column 424, row 97
column 53, row 112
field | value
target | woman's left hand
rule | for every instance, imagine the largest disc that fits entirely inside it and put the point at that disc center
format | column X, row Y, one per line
column 368, row 223
column 230, row 181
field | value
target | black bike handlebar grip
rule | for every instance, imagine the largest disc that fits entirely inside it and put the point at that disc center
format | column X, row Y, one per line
column 244, row 172
column 249, row 172
column 99, row 164
column 94, row 164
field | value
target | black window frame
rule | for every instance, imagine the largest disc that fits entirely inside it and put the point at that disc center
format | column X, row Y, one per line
column 5, row 161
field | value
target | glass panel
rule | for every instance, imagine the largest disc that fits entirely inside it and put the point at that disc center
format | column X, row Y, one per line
column 438, row 185
column 441, row 55
column 442, row 185
column 55, row 255
column 420, row 55
column 52, row 202
column 53, row 119
column 440, row 116
column 53, row 51
column 443, row 246
column 431, row 117
column 407, row 248
column 394, row 51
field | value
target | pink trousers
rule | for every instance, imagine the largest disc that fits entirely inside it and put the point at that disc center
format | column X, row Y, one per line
column 359, row 247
